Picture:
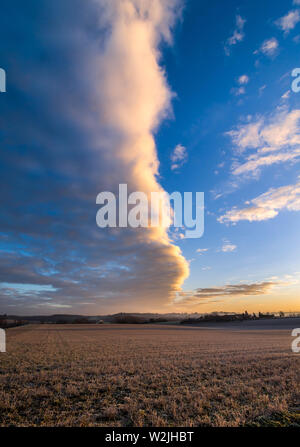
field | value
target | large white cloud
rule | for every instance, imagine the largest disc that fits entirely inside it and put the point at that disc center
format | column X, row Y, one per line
column 80, row 122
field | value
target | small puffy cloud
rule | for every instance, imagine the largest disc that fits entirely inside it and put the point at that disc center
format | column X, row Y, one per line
column 201, row 250
column 269, row 47
column 296, row 39
column 228, row 247
column 237, row 36
column 274, row 139
column 244, row 79
column 289, row 21
column 238, row 91
column 267, row 205
column 179, row 157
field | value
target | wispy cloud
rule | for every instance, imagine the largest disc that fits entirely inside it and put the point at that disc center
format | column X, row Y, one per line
column 226, row 291
column 238, row 91
column 201, row 250
column 272, row 139
column 178, row 157
column 289, row 21
column 286, row 95
column 237, row 36
column 255, row 162
column 267, row 205
column 228, row 247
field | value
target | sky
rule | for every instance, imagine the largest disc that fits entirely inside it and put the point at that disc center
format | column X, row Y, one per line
column 162, row 95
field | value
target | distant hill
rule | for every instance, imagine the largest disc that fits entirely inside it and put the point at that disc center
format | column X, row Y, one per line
column 135, row 317
column 69, row 318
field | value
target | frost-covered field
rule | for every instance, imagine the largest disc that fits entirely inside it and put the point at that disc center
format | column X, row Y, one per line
column 148, row 375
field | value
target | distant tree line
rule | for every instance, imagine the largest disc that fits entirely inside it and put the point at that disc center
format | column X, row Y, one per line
column 216, row 318
column 134, row 319
column 6, row 322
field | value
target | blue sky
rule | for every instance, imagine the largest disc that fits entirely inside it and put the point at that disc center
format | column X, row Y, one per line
column 206, row 108
column 84, row 100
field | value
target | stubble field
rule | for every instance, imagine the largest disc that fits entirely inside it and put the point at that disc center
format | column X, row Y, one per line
column 148, row 375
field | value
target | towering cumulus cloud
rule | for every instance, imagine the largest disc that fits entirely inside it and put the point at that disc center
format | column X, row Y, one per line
column 134, row 97
column 85, row 94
